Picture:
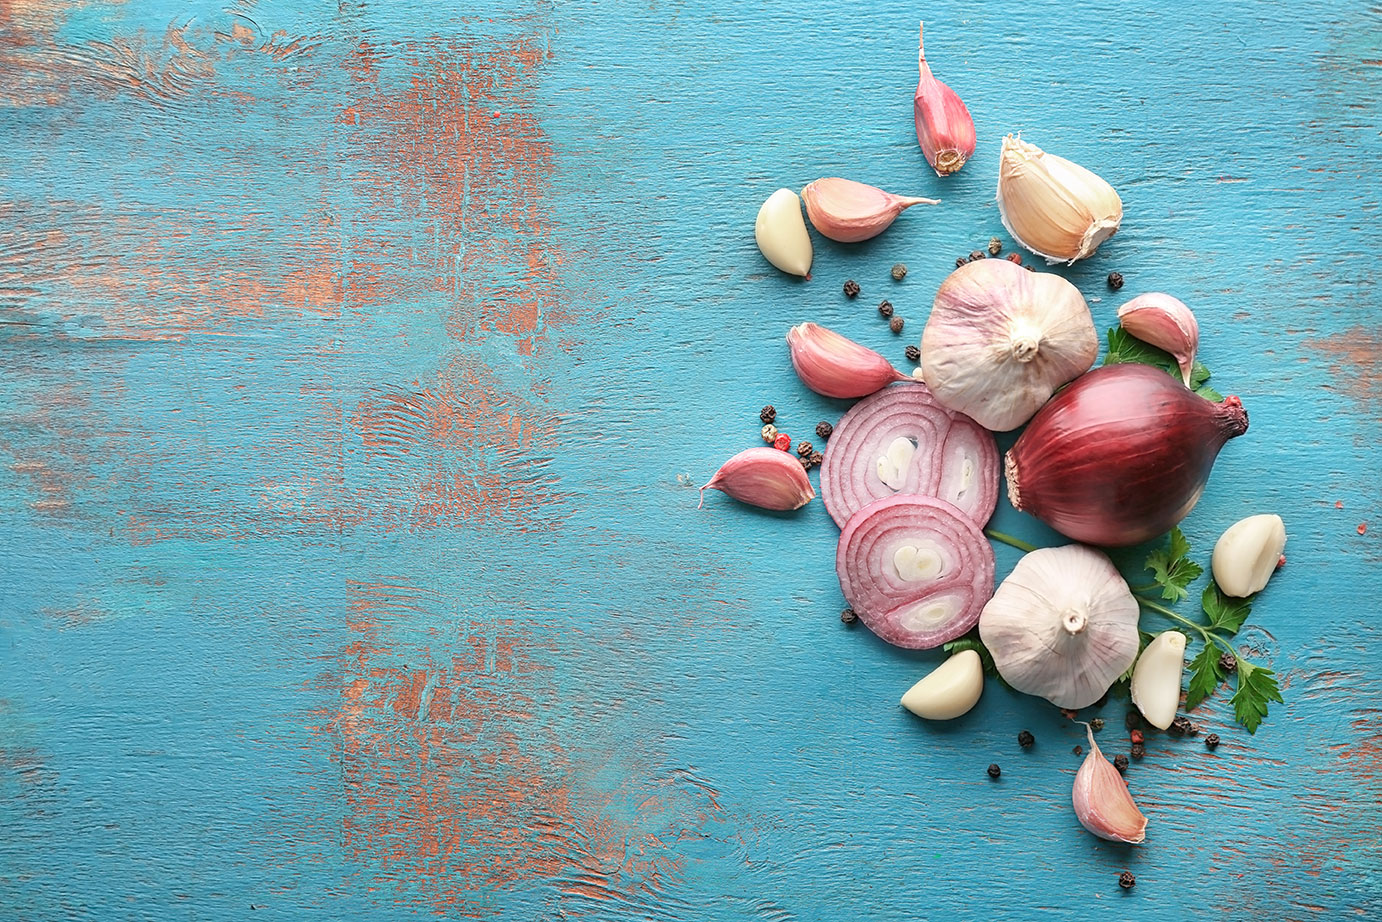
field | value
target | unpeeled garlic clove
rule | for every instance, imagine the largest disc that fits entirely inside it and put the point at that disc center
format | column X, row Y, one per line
column 949, row 690
column 1156, row 678
column 763, row 477
column 850, row 211
column 1055, row 208
column 1102, row 802
column 1166, row 323
column 835, row 366
column 1246, row 555
column 945, row 129
column 781, row 233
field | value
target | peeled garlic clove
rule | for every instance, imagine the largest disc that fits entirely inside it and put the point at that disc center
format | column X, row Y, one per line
column 945, row 129
column 1053, row 207
column 1156, row 678
column 850, row 211
column 781, row 233
column 763, row 477
column 949, row 690
column 835, row 366
column 1246, row 555
column 1102, row 802
column 1166, row 323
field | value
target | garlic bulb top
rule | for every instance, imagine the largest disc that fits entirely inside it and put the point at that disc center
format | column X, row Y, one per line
column 1054, row 207
column 1000, row 340
column 1062, row 626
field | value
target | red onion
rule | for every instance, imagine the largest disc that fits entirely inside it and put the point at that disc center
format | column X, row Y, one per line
column 1120, row 456
column 949, row 455
column 915, row 569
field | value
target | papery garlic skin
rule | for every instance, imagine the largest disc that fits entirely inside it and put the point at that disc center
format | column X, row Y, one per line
column 948, row 691
column 1102, row 802
column 1057, row 209
column 1156, row 678
column 945, row 129
column 763, row 477
column 1166, row 323
column 781, row 233
column 1000, row 340
column 835, row 366
column 1062, row 626
column 849, row 211
column 1246, row 555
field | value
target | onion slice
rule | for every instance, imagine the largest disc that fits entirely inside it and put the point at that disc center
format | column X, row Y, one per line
column 915, row 569
column 941, row 453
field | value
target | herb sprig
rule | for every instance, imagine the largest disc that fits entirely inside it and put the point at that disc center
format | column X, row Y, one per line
column 1124, row 348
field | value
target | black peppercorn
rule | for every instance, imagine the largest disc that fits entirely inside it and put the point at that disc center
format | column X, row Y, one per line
column 995, row 246
column 977, row 254
column 1181, row 726
column 816, row 458
column 1115, row 280
column 767, row 414
column 1228, row 662
column 851, row 289
column 1133, row 721
column 995, row 771
column 1211, row 741
column 1078, row 750
column 823, row 429
column 913, row 354
column 899, row 272
column 895, row 324
column 1120, row 762
column 960, row 261
column 1139, row 750
column 1096, row 724
column 1025, row 739
column 885, row 308
column 848, row 616
column 805, row 463
column 804, row 448
column 1126, row 880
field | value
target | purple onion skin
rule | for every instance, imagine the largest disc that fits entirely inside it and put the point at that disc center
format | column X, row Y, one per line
column 1120, row 456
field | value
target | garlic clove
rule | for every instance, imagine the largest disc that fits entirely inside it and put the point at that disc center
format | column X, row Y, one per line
column 781, row 233
column 849, row 211
column 1156, row 678
column 1057, row 209
column 1166, row 323
column 1102, row 802
column 832, row 365
column 763, row 477
column 1246, row 555
column 949, row 690
column 945, row 129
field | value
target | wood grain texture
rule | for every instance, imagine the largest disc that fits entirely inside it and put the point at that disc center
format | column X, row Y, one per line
column 358, row 364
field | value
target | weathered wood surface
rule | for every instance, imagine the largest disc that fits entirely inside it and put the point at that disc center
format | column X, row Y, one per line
column 358, row 362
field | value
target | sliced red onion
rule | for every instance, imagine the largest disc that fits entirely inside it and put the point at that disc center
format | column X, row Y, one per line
column 915, row 569
column 901, row 441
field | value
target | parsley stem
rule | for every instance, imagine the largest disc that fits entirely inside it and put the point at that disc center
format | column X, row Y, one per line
column 1210, row 638
column 1010, row 541
column 1147, row 588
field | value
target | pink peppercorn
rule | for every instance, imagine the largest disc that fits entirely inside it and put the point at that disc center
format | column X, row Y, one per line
column 783, row 442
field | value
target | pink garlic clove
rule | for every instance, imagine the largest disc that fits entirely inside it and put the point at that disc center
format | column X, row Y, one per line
column 850, row 211
column 763, row 477
column 834, row 366
column 1164, row 322
column 945, row 129
column 1102, row 802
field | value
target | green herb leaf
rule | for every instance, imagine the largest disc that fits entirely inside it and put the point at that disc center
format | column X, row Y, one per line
column 1225, row 613
column 1172, row 567
column 973, row 643
column 1256, row 688
column 1205, row 676
column 1124, row 348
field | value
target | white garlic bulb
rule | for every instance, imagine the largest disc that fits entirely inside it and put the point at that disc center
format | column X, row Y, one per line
column 1000, row 340
column 780, row 232
column 1062, row 626
column 1246, row 555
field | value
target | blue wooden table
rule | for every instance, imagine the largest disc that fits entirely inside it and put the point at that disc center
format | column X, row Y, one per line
column 357, row 365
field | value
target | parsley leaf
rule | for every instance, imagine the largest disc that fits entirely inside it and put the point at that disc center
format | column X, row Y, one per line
column 1257, row 687
column 969, row 642
column 1225, row 613
column 1205, row 676
column 1124, row 348
column 1172, row 568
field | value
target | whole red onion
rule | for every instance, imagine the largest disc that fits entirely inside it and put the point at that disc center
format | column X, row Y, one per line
column 1120, row 456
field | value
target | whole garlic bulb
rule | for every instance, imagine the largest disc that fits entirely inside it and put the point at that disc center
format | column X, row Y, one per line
column 1000, row 340
column 1062, row 626
column 1054, row 207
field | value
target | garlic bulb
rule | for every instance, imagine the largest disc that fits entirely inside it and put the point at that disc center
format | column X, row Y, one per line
column 1000, row 340
column 949, row 690
column 1063, row 625
column 1055, row 208
column 780, row 232
column 1246, row 555
column 1156, row 678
